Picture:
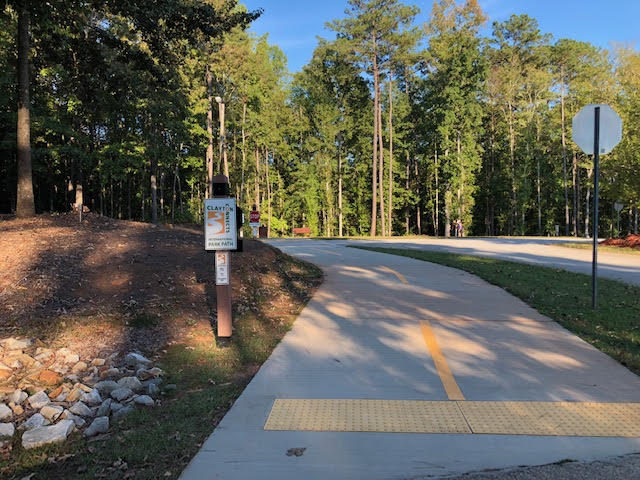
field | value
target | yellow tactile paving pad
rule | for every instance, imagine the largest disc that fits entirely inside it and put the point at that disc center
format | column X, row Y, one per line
column 501, row 418
column 554, row 418
column 366, row 416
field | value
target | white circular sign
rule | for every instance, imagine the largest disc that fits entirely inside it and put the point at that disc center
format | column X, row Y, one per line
column 584, row 126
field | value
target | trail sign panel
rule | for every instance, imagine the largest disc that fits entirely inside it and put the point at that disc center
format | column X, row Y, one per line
column 254, row 218
column 584, row 128
column 220, row 230
column 222, row 267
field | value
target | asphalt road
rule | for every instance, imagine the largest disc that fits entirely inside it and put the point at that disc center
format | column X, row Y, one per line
column 390, row 328
column 534, row 250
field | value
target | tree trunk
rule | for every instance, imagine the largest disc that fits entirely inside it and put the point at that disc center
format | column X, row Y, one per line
column 110, row 195
column 587, row 205
column 635, row 220
column 257, row 180
column 381, row 164
column 266, row 161
column 154, row 189
column 574, row 186
column 564, row 159
column 173, row 190
column 79, row 181
column 539, row 197
column 25, row 206
column 209, row 155
column 340, row 192
column 162, row 194
column 129, row 197
column 447, row 213
column 406, row 187
column 374, row 161
column 419, row 207
column 223, row 141
column 512, row 149
column 244, row 152
column 437, row 189
column 390, row 201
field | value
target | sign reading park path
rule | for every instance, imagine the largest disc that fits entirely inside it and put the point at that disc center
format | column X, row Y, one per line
column 220, row 230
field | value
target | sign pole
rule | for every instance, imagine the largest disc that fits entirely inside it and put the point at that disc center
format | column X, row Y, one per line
column 596, row 174
column 223, row 261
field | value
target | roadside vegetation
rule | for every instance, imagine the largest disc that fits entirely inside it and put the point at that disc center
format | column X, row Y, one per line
column 602, row 248
column 562, row 296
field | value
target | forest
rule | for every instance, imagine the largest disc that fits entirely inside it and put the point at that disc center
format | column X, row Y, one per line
column 392, row 128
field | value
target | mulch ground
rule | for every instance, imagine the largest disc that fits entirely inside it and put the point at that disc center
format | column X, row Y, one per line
column 104, row 284
column 630, row 241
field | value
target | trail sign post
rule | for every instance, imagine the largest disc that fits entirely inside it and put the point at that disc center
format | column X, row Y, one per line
column 221, row 235
column 617, row 206
column 597, row 129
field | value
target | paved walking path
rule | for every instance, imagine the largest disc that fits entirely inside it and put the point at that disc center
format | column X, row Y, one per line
column 384, row 327
column 535, row 250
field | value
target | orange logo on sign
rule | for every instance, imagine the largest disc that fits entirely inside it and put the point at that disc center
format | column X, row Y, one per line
column 215, row 222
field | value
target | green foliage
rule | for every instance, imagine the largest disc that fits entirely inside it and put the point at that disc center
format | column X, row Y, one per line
column 479, row 129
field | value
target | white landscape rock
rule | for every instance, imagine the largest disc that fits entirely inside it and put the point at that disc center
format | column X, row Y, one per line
column 122, row 412
column 104, row 408
column 17, row 397
column 99, row 425
column 79, row 367
column 92, row 398
column 51, row 412
column 5, row 412
column 153, row 389
column 77, row 420
column 7, row 430
column 106, row 386
column 145, row 400
column 130, row 382
column 81, row 409
column 67, row 355
column 111, row 372
column 38, row 400
column 133, row 359
column 46, row 435
column 16, row 343
column 35, row 421
column 121, row 393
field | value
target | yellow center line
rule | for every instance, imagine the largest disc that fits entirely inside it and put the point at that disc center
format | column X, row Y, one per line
column 442, row 367
column 397, row 274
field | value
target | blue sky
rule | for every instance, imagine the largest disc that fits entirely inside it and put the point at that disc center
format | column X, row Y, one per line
column 294, row 24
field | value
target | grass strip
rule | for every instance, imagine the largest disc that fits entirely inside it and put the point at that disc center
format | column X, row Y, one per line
column 614, row 328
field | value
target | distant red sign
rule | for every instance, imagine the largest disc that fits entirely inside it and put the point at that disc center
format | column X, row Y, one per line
column 254, row 216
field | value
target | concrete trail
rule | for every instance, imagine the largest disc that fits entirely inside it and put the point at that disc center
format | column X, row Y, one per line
column 363, row 336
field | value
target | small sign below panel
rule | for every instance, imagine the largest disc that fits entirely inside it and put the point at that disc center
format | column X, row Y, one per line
column 222, row 267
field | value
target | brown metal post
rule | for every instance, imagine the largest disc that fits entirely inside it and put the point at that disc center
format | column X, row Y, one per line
column 223, row 292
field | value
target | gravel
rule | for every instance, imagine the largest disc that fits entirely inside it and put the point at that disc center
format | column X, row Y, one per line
column 616, row 468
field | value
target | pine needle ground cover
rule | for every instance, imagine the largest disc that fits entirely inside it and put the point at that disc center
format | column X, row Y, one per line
column 613, row 328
